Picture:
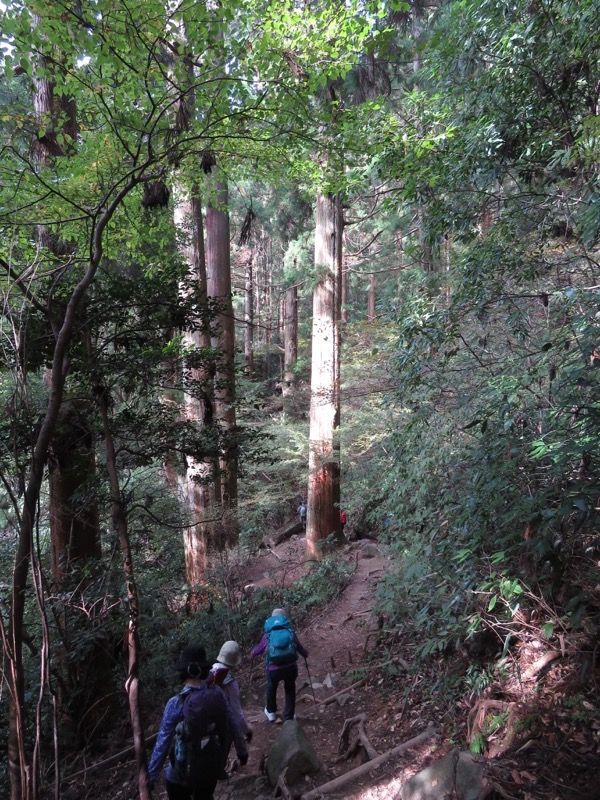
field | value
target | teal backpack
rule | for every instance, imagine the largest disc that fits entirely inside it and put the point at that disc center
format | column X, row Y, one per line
column 281, row 642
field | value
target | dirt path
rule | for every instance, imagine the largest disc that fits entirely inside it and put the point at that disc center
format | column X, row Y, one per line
column 338, row 639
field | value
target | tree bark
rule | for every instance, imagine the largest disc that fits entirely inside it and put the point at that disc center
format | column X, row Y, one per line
column 371, row 298
column 201, row 478
column 218, row 266
column 324, row 462
column 290, row 339
column 249, row 319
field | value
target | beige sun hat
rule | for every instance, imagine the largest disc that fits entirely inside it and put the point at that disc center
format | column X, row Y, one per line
column 278, row 612
column 230, row 654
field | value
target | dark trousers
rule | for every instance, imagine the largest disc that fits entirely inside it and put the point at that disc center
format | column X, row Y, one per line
column 288, row 675
column 175, row 791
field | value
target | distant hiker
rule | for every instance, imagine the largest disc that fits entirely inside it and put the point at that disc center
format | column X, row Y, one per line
column 282, row 647
column 302, row 513
column 230, row 657
column 343, row 519
column 195, row 725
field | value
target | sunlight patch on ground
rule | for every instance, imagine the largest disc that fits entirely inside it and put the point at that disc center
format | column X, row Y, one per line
column 383, row 791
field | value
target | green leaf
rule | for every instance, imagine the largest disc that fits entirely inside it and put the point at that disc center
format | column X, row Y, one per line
column 548, row 629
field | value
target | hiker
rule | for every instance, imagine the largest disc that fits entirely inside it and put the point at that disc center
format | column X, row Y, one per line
column 302, row 513
column 230, row 657
column 194, row 728
column 343, row 519
column 282, row 646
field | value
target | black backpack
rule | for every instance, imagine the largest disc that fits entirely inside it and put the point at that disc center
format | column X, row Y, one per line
column 197, row 748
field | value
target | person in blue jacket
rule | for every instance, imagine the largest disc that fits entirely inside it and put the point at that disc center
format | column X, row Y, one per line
column 286, row 671
column 193, row 670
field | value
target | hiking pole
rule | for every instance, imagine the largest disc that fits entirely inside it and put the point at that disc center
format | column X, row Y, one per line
column 310, row 680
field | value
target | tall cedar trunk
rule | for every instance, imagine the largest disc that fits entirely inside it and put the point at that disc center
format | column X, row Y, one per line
column 120, row 526
column 323, row 517
column 201, row 476
column 218, row 267
column 344, row 294
column 371, row 298
column 290, row 355
column 249, row 319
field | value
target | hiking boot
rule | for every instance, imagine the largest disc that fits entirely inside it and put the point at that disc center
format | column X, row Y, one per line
column 270, row 715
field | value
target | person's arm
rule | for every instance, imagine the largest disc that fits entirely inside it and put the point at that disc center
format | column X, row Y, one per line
column 171, row 716
column 232, row 690
column 260, row 647
column 239, row 740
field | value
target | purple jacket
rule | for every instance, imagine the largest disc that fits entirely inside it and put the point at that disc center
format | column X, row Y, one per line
column 262, row 646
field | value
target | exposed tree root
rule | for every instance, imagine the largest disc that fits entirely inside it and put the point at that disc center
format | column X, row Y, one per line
column 281, row 787
column 345, row 749
column 358, row 772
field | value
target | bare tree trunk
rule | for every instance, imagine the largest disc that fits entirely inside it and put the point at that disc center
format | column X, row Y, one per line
column 290, row 339
column 371, row 298
column 345, row 291
column 218, row 266
column 120, row 526
column 324, row 464
column 249, row 319
column 200, row 477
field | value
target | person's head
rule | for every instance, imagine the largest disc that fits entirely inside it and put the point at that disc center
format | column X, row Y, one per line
column 230, row 654
column 278, row 612
column 192, row 663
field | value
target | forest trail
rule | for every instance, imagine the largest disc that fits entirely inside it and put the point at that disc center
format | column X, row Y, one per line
column 339, row 639
column 398, row 702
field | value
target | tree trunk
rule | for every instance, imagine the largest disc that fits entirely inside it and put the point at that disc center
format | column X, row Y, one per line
column 218, row 265
column 74, row 518
column 345, row 292
column 324, row 462
column 120, row 526
column 201, row 478
column 290, row 339
column 371, row 298
column 249, row 319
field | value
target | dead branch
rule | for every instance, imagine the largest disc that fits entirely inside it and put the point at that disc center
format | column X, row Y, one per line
column 539, row 665
column 114, row 759
column 332, row 697
column 358, row 772
column 344, row 748
column 480, row 711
